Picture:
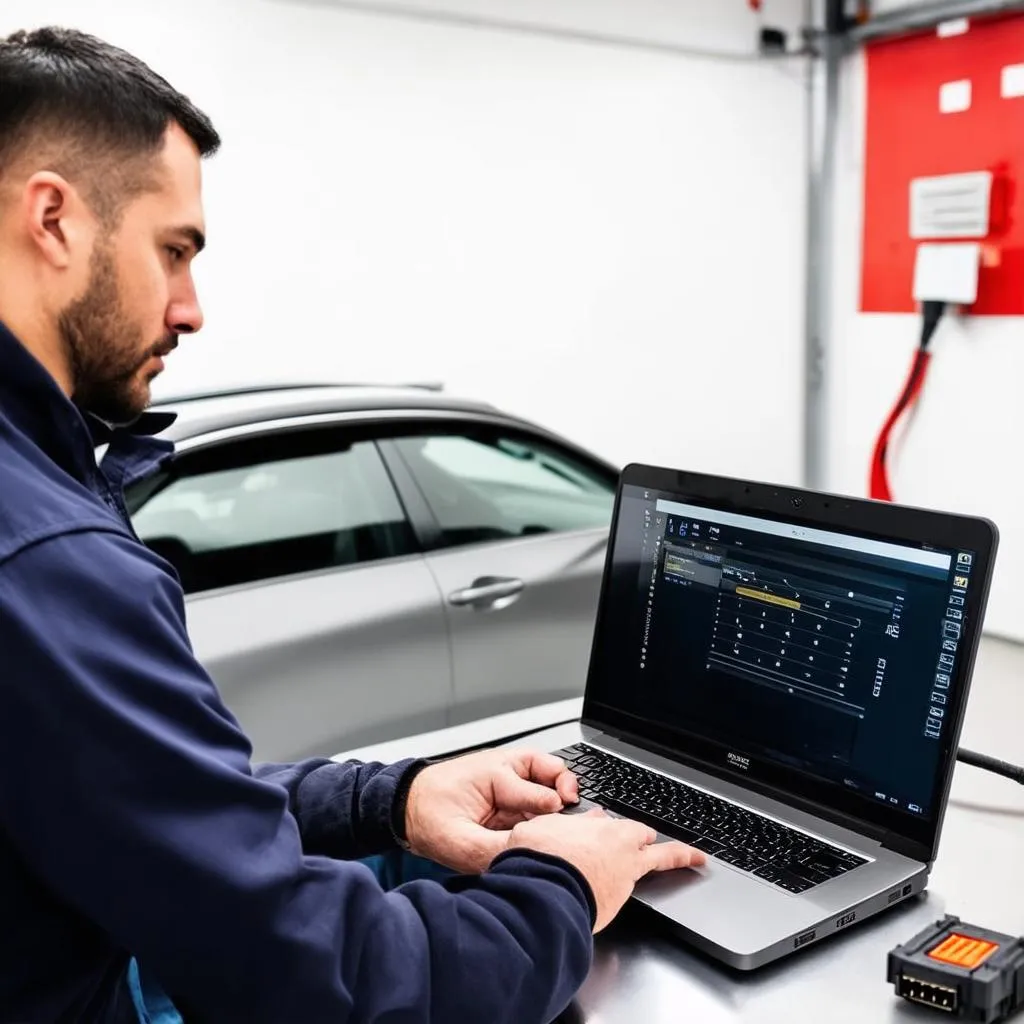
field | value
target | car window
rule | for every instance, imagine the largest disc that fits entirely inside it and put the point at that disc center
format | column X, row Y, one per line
column 494, row 488
column 275, row 517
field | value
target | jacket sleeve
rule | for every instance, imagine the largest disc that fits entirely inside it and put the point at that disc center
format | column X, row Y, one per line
column 342, row 810
column 128, row 788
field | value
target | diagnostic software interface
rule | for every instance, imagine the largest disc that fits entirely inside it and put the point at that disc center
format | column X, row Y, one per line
column 827, row 652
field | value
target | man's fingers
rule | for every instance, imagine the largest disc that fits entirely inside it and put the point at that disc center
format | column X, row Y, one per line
column 512, row 793
column 505, row 820
column 548, row 770
column 669, row 856
column 641, row 835
column 568, row 787
column 538, row 766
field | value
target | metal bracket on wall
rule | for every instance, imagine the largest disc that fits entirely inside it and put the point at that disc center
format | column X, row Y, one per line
column 924, row 16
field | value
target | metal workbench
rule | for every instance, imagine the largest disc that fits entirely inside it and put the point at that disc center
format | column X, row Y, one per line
column 640, row 974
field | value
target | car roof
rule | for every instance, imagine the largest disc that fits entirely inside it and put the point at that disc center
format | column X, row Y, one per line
column 203, row 413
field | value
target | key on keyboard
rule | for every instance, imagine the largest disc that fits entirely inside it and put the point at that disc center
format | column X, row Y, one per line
column 790, row 859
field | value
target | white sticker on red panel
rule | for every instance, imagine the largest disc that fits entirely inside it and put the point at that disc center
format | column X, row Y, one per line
column 1013, row 81
column 955, row 97
column 953, row 27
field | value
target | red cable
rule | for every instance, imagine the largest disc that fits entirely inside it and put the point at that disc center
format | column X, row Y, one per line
column 911, row 392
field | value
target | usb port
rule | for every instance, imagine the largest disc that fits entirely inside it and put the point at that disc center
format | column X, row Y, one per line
column 802, row 940
column 942, row 997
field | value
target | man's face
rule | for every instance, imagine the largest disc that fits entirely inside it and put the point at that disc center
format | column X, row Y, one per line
column 140, row 296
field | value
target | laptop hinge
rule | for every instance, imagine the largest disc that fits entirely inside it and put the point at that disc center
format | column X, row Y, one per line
column 889, row 840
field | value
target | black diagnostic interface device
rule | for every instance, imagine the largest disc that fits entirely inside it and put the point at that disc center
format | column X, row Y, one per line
column 968, row 972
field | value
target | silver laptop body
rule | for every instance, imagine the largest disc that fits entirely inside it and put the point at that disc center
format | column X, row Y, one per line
column 779, row 678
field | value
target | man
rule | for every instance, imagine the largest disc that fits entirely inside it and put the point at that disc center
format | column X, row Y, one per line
column 147, row 870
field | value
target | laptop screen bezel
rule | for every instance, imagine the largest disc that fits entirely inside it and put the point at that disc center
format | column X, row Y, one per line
column 915, row 836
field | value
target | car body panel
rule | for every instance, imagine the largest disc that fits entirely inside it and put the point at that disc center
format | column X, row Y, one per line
column 309, row 662
column 528, row 648
column 319, row 661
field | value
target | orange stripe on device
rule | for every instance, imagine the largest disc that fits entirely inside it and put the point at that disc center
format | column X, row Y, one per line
column 963, row 951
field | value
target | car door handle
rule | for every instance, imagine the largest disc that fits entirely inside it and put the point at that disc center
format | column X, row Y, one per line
column 488, row 592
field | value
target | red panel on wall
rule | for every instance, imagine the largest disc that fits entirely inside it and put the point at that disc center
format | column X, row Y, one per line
column 909, row 137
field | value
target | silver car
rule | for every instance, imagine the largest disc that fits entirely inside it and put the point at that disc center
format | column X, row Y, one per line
column 364, row 563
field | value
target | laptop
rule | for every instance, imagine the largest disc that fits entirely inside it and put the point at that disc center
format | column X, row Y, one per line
column 779, row 678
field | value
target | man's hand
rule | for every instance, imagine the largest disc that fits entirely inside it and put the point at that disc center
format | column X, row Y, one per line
column 459, row 812
column 612, row 854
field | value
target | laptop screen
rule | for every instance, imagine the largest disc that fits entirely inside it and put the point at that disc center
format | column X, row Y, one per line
column 824, row 652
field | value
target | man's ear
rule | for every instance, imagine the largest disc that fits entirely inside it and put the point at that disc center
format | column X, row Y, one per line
column 57, row 221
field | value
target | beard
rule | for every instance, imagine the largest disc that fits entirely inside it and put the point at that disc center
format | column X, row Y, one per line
column 106, row 351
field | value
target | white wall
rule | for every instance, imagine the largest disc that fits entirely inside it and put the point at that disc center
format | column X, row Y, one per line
column 605, row 239
column 961, row 451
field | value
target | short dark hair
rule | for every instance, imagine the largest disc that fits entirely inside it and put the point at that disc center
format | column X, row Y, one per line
column 101, row 112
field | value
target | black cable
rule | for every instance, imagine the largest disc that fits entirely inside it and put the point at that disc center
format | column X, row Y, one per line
column 991, row 764
column 931, row 314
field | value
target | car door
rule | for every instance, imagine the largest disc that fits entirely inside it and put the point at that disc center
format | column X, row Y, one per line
column 520, row 530
column 308, row 599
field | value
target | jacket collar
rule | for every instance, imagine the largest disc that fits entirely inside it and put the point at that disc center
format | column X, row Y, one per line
column 33, row 402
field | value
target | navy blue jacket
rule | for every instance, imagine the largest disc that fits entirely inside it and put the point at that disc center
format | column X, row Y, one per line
column 132, row 823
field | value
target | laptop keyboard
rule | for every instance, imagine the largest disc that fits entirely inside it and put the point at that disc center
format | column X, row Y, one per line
column 790, row 859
